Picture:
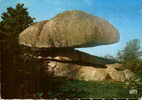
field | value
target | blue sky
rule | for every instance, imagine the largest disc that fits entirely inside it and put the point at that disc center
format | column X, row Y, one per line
column 125, row 15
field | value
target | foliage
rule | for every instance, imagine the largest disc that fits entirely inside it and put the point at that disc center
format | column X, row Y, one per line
column 14, row 21
column 130, row 56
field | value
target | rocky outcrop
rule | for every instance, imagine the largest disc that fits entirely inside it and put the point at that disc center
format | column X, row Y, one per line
column 55, row 40
column 114, row 72
column 74, row 71
column 117, row 66
column 87, row 73
column 115, row 75
column 129, row 75
column 70, row 29
column 92, row 74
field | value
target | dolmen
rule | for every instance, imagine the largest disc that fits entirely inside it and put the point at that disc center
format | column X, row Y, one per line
column 57, row 38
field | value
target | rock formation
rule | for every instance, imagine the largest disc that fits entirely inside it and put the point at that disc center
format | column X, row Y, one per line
column 55, row 40
column 70, row 29
column 115, row 75
column 87, row 73
column 118, row 73
column 75, row 71
column 129, row 75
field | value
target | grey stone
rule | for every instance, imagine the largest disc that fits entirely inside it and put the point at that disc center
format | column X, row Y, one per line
column 70, row 29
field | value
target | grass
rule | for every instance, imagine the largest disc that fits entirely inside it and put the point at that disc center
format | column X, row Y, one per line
column 84, row 89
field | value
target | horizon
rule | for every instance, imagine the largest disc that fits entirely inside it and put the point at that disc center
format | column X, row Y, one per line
column 125, row 16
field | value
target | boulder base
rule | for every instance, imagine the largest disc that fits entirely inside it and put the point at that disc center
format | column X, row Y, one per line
column 87, row 73
column 74, row 71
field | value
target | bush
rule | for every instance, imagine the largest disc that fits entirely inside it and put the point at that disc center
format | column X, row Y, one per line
column 130, row 56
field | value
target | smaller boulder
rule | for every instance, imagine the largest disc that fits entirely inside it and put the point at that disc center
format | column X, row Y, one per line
column 115, row 75
column 129, row 75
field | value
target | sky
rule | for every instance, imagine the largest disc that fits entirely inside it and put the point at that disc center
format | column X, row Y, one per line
column 124, row 15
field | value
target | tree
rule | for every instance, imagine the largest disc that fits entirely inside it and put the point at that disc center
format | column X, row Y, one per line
column 13, row 22
column 130, row 56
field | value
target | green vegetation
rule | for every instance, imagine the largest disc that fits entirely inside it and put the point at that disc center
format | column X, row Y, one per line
column 131, row 56
column 12, row 23
column 62, row 88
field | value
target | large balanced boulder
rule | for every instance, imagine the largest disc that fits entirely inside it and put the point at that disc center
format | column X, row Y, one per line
column 30, row 35
column 70, row 29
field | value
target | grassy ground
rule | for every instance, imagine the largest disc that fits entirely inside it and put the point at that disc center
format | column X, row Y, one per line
column 63, row 88
column 108, row 89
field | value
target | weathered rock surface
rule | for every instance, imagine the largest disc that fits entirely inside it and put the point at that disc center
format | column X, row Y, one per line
column 129, row 75
column 117, row 66
column 30, row 35
column 92, row 74
column 63, row 69
column 87, row 73
column 70, row 29
column 116, row 75
column 74, row 71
